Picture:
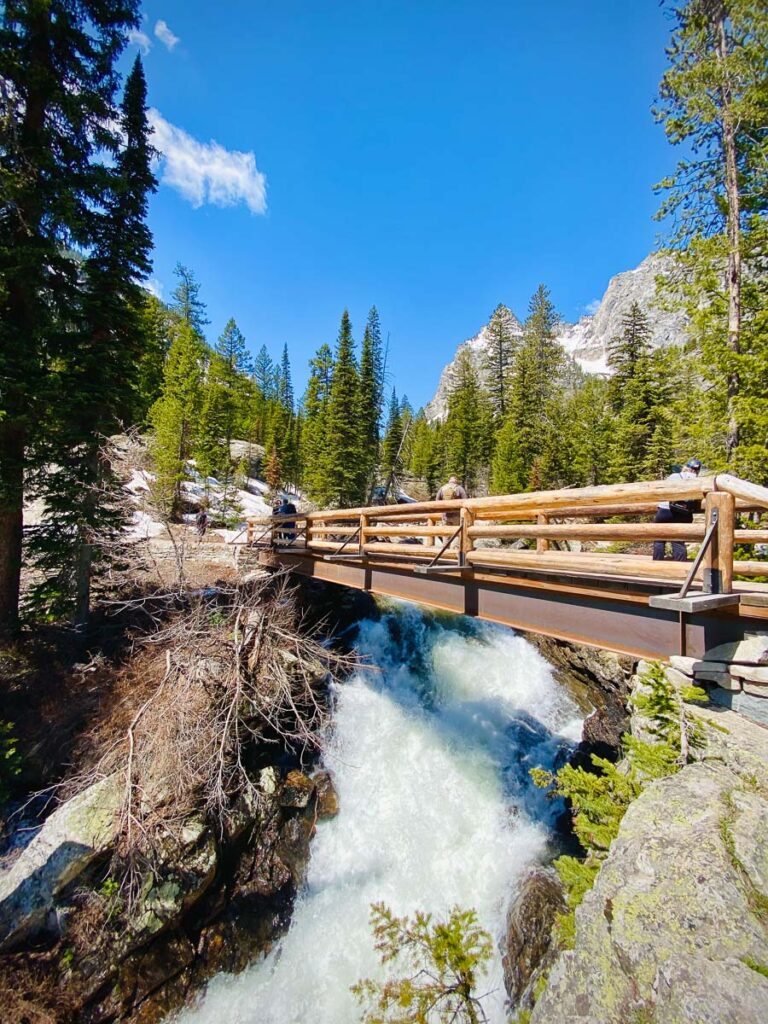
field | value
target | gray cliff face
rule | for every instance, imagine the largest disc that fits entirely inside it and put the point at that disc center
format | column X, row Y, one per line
column 587, row 341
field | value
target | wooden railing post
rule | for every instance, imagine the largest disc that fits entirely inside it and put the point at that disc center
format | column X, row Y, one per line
column 718, row 559
column 249, row 535
column 364, row 524
column 467, row 542
column 542, row 544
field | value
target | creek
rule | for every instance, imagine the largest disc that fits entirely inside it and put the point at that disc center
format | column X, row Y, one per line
column 430, row 748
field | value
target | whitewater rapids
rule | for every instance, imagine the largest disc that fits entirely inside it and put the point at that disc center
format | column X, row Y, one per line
column 430, row 750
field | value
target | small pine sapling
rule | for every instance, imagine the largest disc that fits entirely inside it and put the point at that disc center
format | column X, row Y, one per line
column 443, row 961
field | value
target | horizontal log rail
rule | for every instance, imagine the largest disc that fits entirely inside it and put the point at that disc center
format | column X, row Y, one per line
column 454, row 534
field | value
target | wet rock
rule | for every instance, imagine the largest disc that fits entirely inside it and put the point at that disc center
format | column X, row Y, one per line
column 674, row 903
column 528, row 947
column 326, row 795
column 600, row 682
column 293, row 846
column 165, row 960
column 297, row 789
column 68, row 843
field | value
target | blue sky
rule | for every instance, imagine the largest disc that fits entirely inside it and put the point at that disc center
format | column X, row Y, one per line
column 433, row 158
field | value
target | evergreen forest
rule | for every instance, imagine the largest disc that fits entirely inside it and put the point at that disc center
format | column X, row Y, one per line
column 86, row 351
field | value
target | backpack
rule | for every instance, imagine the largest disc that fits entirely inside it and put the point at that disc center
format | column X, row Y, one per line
column 448, row 491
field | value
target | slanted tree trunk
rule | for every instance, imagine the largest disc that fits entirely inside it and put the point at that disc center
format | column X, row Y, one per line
column 733, row 274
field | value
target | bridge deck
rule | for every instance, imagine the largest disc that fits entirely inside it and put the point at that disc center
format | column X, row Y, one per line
column 623, row 602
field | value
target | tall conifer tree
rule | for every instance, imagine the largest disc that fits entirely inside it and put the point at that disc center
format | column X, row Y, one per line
column 95, row 381
column 176, row 414
column 345, row 468
column 499, row 357
column 314, row 444
column 393, row 439
column 536, row 378
column 468, row 425
column 713, row 100
column 58, row 68
column 186, row 302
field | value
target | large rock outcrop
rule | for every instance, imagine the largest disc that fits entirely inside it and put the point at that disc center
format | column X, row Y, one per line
column 675, row 929
column 68, row 843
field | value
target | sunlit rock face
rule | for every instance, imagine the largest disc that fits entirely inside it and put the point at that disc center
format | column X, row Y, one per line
column 587, row 340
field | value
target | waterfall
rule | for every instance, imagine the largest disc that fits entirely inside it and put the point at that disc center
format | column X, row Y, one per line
column 430, row 748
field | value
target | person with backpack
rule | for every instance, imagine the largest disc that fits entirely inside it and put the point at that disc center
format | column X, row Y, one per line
column 286, row 530
column 677, row 512
column 449, row 493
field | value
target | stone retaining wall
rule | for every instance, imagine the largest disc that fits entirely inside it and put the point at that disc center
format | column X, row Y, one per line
column 734, row 674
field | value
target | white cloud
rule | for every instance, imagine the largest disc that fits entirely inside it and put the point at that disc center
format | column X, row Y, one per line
column 592, row 307
column 165, row 35
column 140, row 39
column 155, row 287
column 205, row 172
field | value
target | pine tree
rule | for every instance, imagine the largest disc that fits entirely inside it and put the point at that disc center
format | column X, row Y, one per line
column 713, row 100
column 284, row 385
column 344, row 463
column 442, row 964
column 314, row 442
column 499, row 357
column 265, row 373
column 536, row 381
column 95, row 379
column 393, row 439
column 426, row 457
column 222, row 401
column 627, row 350
column 585, row 437
column 370, row 394
column 58, row 74
column 154, row 321
column 175, row 415
column 468, row 425
column 186, row 302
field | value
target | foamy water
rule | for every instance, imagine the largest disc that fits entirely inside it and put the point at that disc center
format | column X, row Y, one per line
column 429, row 751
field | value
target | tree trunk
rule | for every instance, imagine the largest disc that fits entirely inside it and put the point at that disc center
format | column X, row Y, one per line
column 20, row 315
column 733, row 281
column 11, row 523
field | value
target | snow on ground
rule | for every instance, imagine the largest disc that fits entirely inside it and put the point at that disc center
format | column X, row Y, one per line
column 143, row 527
column 249, row 502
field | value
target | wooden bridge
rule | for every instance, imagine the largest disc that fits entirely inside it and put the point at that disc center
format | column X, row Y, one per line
column 467, row 557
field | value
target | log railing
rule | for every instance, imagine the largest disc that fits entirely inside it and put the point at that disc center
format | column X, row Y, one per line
column 420, row 533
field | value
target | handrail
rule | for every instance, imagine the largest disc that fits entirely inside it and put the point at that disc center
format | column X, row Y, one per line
column 416, row 532
column 744, row 489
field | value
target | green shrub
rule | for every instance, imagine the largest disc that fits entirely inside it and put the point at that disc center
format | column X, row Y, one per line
column 442, row 962
column 10, row 760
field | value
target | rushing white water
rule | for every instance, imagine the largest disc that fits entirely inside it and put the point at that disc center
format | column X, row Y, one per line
column 430, row 752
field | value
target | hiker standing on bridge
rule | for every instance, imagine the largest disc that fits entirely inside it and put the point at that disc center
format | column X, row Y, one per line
column 286, row 532
column 677, row 512
column 449, row 492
